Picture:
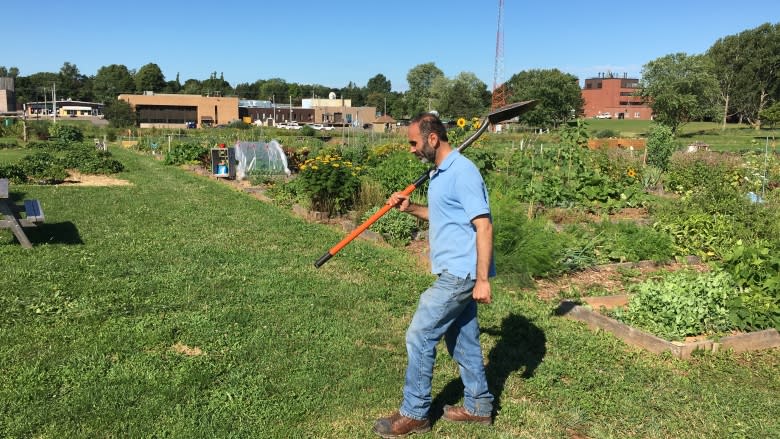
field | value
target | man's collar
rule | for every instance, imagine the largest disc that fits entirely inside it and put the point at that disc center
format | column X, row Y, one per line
column 454, row 154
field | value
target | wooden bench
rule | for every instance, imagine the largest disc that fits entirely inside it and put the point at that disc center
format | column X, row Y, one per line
column 33, row 211
column 10, row 218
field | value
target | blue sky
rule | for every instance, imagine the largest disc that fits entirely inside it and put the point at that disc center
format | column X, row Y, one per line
column 332, row 43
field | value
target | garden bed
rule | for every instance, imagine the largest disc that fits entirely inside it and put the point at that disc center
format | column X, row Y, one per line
column 609, row 278
column 738, row 342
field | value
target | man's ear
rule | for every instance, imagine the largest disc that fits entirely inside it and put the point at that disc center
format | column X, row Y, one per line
column 433, row 139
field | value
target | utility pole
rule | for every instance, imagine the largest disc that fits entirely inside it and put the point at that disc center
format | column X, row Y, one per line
column 54, row 102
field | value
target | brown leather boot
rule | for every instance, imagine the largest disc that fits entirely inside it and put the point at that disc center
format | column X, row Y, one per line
column 398, row 425
column 459, row 414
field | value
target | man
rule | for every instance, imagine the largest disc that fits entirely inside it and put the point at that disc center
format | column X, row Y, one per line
column 461, row 244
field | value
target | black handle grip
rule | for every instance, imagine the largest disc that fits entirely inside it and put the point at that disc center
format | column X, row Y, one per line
column 323, row 259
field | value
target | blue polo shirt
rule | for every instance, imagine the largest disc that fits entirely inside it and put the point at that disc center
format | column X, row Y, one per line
column 456, row 195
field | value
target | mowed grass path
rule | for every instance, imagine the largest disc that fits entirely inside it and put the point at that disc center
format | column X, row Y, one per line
column 179, row 307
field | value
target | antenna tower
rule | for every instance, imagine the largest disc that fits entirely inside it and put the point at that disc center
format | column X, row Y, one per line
column 499, row 91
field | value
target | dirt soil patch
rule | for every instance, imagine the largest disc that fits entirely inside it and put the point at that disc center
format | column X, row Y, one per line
column 608, row 279
column 76, row 178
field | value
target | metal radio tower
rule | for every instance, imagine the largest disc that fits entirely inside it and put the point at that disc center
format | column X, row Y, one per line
column 499, row 90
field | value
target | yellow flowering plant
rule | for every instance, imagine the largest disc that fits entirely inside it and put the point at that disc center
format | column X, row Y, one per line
column 330, row 183
column 462, row 129
column 484, row 159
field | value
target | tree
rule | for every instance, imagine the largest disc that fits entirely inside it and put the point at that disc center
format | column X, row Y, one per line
column 378, row 84
column 420, row 79
column 191, row 87
column 119, row 113
column 758, row 81
column 173, row 86
column 149, row 78
column 72, row 84
column 353, row 92
column 558, row 93
column 464, row 96
column 111, row 81
column 245, row 90
column 727, row 58
column 274, row 88
column 216, row 86
column 680, row 89
column 771, row 115
column 11, row 72
column 36, row 87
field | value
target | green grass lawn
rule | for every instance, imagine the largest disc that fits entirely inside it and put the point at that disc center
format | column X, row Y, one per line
column 733, row 138
column 179, row 307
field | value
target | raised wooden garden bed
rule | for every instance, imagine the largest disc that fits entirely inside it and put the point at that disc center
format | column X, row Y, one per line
column 752, row 341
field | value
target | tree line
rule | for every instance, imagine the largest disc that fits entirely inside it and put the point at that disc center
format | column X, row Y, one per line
column 737, row 79
column 463, row 96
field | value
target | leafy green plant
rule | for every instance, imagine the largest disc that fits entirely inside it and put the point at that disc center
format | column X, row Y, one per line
column 13, row 172
column 395, row 226
column 568, row 175
column 307, row 130
column 694, row 172
column 43, row 167
column 330, row 183
column 680, row 304
column 66, row 132
column 286, row 194
column 651, row 177
column 483, row 159
column 524, row 248
column 396, row 171
column 606, row 133
column 89, row 160
column 622, row 241
column 660, row 145
column 187, row 152
column 756, row 270
column 8, row 143
column 697, row 233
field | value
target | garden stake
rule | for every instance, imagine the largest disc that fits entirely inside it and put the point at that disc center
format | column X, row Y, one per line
column 504, row 113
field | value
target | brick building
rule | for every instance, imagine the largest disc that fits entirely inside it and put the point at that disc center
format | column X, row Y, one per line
column 174, row 110
column 611, row 97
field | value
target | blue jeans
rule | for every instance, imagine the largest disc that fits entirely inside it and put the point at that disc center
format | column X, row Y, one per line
column 446, row 309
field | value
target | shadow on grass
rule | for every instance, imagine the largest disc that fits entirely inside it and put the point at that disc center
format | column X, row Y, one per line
column 521, row 346
column 54, row 233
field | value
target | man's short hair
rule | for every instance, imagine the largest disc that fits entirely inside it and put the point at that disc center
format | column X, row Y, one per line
column 430, row 123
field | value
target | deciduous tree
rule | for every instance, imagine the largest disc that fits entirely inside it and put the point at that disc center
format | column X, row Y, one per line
column 680, row 88
column 558, row 93
column 119, row 113
column 112, row 80
column 421, row 79
column 150, row 78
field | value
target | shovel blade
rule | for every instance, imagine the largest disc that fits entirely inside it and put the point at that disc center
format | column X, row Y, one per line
column 512, row 110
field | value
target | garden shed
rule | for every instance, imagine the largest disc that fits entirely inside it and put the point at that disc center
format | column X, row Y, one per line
column 383, row 124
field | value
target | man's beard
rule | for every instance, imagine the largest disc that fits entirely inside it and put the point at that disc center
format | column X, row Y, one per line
column 426, row 153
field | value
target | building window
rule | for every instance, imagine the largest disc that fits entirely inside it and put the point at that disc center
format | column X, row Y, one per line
column 636, row 115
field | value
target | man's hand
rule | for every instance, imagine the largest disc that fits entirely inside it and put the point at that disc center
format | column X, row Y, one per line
column 482, row 292
column 399, row 200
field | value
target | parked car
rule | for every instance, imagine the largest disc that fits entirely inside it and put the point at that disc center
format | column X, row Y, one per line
column 605, row 115
column 321, row 127
column 289, row 126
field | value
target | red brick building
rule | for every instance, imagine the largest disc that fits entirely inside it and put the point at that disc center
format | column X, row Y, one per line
column 611, row 97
